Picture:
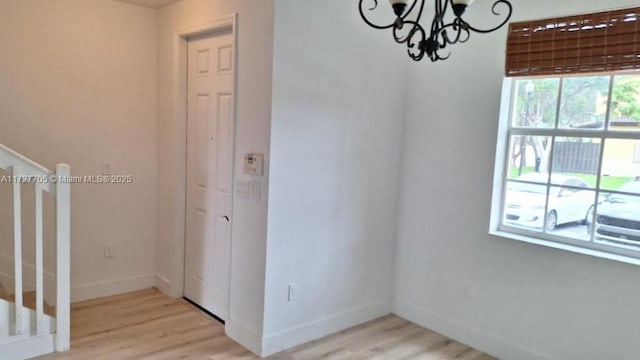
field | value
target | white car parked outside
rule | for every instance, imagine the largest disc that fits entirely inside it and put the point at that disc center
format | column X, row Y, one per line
column 569, row 200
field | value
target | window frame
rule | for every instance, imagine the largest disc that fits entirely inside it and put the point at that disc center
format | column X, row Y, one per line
column 501, row 169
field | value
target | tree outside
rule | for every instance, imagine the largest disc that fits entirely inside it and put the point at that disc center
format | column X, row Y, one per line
column 583, row 105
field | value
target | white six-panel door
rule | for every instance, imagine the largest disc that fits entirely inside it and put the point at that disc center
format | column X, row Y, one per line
column 209, row 171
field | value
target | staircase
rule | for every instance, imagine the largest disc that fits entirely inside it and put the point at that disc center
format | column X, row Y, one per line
column 30, row 327
column 28, row 299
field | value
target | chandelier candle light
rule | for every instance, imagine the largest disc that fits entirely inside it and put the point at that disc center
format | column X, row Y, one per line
column 410, row 32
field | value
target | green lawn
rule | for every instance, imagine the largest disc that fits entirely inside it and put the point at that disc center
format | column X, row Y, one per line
column 607, row 182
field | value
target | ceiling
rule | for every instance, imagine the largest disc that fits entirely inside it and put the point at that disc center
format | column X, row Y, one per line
column 155, row 4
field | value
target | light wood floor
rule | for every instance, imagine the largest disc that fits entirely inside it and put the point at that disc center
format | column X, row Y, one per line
column 148, row 325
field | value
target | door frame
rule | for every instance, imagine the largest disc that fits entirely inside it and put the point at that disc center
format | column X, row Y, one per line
column 180, row 76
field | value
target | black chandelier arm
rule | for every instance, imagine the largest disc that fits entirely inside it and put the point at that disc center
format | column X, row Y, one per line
column 438, row 19
column 493, row 10
column 393, row 24
column 441, row 45
column 420, row 11
column 435, row 55
column 415, row 27
column 441, row 9
column 460, row 28
column 406, row 28
column 414, row 46
column 438, row 38
column 416, row 57
column 438, row 57
column 438, row 27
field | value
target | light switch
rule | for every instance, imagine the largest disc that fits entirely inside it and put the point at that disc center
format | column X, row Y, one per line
column 256, row 190
column 242, row 189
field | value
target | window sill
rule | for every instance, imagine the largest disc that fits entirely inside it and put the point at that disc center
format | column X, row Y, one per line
column 567, row 247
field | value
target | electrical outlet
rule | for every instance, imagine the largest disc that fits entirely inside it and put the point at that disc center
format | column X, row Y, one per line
column 293, row 292
column 466, row 291
column 108, row 250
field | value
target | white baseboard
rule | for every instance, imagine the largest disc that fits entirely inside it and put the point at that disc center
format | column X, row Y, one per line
column 489, row 344
column 78, row 293
column 243, row 336
column 112, row 287
column 30, row 347
column 164, row 285
column 287, row 339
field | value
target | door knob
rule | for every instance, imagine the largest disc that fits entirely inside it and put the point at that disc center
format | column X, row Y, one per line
column 226, row 218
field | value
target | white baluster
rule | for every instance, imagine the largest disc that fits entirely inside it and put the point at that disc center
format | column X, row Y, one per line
column 63, row 277
column 39, row 263
column 17, row 248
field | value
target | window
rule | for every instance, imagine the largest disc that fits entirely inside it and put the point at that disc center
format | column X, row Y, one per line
column 567, row 171
column 566, row 166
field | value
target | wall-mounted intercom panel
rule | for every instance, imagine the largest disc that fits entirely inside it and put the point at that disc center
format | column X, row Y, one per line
column 253, row 164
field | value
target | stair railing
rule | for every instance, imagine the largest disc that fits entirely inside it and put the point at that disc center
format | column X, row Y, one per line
column 24, row 170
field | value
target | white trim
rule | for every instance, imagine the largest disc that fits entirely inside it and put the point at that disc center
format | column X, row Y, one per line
column 85, row 291
column 223, row 23
column 10, row 158
column 499, row 171
column 477, row 339
column 567, row 247
column 243, row 336
column 598, row 133
column 30, row 347
column 319, row 328
column 163, row 284
column 112, row 287
column 175, row 287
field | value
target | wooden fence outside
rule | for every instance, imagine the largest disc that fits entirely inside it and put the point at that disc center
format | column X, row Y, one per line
column 576, row 157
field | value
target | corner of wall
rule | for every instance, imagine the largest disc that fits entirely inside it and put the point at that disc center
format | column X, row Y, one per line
column 451, row 329
column 166, row 287
column 244, row 337
column 289, row 338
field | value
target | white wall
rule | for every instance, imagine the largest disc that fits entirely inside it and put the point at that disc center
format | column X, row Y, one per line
column 87, row 81
column 78, row 85
column 338, row 96
column 527, row 302
column 253, row 96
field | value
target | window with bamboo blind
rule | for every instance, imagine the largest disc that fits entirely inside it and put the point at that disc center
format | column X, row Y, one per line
column 598, row 42
column 567, row 173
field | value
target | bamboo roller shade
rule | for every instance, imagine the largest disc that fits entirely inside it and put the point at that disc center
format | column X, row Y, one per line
column 604, row 41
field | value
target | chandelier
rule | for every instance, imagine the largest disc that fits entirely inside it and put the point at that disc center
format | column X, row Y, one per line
column 407, row 29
